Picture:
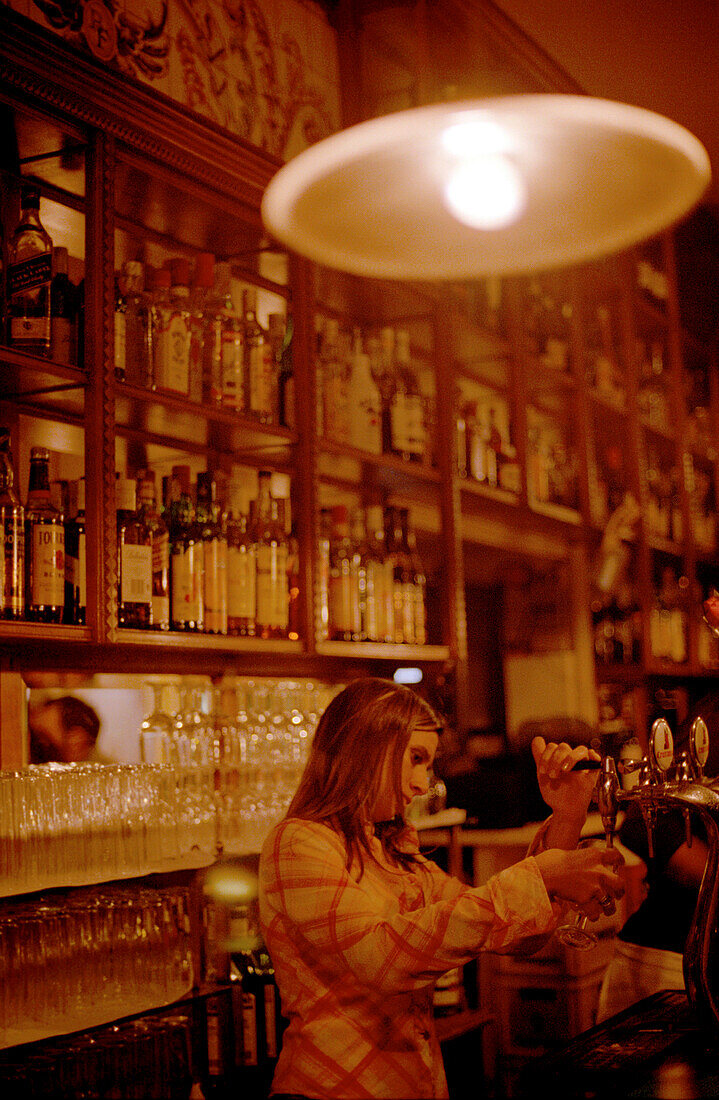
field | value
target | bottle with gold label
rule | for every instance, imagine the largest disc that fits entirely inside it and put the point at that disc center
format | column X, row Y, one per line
column 260, row 367
column 134, row 559
column 241, row 569
column 160, row 553
column 44, row 545
column 12, row 519
column 29, row 278
column 214, row 554
column 186, row 557
column 271, row 555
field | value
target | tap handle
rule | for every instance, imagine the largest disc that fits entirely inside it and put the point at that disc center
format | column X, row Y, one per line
column 607, row 798
column 699, row 747
column 661, row 749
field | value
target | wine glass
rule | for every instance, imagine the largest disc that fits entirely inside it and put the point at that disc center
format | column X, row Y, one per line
column 574, row 931
column 156, row 730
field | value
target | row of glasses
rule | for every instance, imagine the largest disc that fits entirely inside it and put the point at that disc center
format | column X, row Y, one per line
column 247, row 741
column 68, row 962
column 71, row 824
column 148, row 1057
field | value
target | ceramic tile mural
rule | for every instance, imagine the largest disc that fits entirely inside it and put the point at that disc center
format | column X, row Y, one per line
column 264, row 69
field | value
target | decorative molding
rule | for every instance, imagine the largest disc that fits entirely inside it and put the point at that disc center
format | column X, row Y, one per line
column 35, row 63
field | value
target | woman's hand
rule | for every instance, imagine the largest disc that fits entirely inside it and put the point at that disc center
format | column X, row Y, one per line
column 585, row 878
column 566, row 792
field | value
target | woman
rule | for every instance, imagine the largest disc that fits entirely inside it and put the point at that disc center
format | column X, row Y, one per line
column 359, row 925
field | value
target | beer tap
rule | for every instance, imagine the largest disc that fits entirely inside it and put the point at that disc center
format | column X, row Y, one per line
column 689, row 792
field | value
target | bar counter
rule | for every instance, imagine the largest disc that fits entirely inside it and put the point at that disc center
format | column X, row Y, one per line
column 652, row 1049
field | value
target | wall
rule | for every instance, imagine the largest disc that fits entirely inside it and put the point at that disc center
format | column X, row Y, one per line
column 267, row 71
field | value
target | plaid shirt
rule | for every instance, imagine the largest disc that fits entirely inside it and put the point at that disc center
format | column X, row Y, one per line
column 356, row 959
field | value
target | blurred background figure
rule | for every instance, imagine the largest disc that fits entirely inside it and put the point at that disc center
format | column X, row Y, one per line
column 64, row 730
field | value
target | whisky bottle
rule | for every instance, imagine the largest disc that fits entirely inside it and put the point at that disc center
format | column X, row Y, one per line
column 224, row 374
column 408, row 432
column 170, row 319
column 12, row 517
column 365, row 402
column 134, row 560
column 360, row 562
column 380, row 580
column 44, row 545
column 203, row 285
column 241, row 569
column 324, row 540
column 335, row 385
column 160, row 553
column 383, row 370
column 214, row 555
column 63, row 311
column 281, row 327
column 75, row 561
column 29, row 278
column 260, row 371
column 344, row 615
column 403, row 584
column 419, row 578
column 186, row 557
column 271, row 556
column 132, row 327
column 288, row 618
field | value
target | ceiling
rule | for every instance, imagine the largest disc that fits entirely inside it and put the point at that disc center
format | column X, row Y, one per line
column 658, row 54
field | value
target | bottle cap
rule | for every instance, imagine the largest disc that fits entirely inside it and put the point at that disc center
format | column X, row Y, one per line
column 205, row 269
column 29, row 196
column 180, row 271
column 59, row 260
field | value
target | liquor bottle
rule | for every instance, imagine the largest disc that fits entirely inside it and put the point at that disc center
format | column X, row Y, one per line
column 380, row 580
column 365, row 402
column 360, row 562
column 261, row 1024
column 160, row 553
column 289, row 612
column 260, row 369
column 132, row 326
column 170, row 320
column 224, row 373
column 12, row 517
column 201, row 296
column 476, row 443
column 214, row 555
column 63, row 311
column 186, row 557
column 241, row 569
column 285, row 372
column 271, row 555
column 44, row 545
column 134, row 559
column 419, row 578
column 335, row 385
column 409, row 436
column 383, row 370
column 76, row 561
column 29, row 278
column 403, row 583
column 461, row 436
column 323, row 573
column 344, row 614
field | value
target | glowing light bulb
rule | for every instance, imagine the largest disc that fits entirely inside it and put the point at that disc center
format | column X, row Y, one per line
column 485, row 191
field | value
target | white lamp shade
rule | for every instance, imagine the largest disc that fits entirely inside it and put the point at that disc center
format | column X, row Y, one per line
column 404, row 196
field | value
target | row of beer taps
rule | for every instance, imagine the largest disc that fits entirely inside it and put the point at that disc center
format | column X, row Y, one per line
column 691, row 792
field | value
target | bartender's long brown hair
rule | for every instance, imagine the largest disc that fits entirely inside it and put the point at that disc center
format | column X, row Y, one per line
column 341, row 780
